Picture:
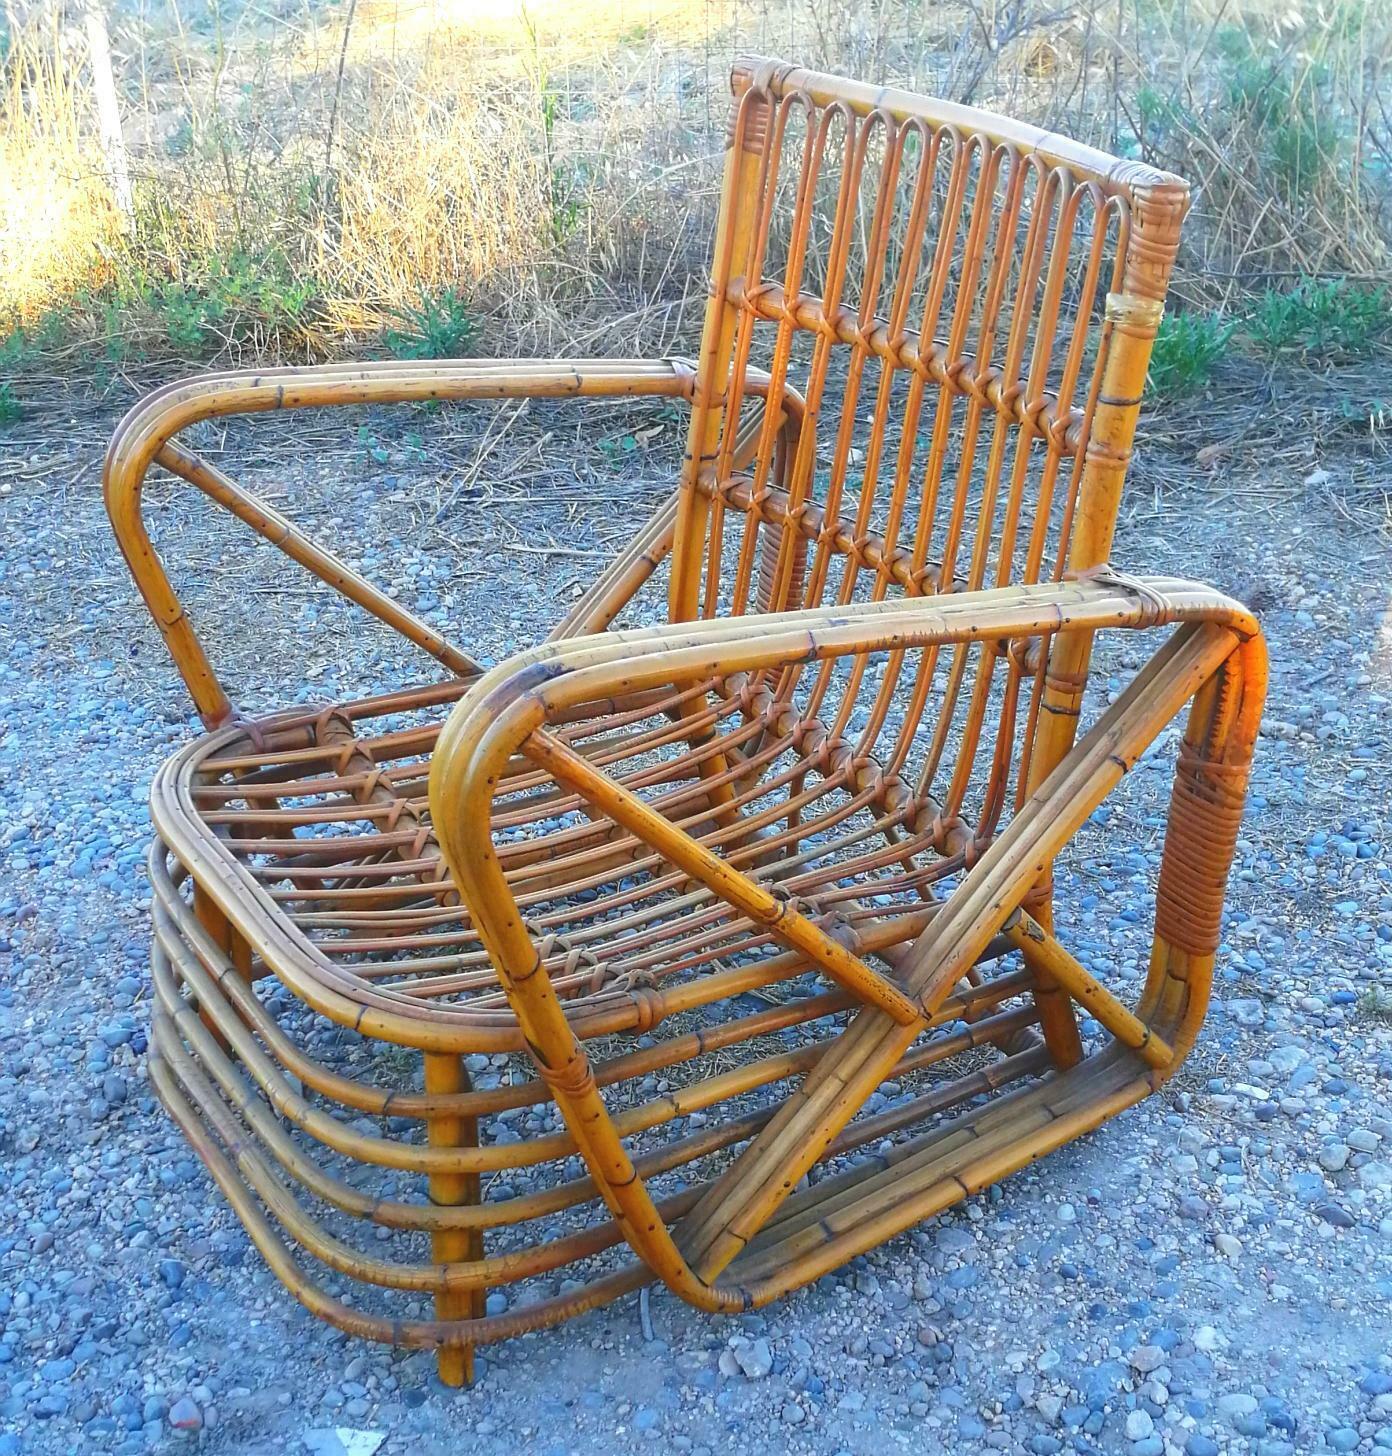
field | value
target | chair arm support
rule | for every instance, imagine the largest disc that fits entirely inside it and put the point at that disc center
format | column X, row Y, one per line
column 147, row 432
column 146, row 436
column 1216, row 660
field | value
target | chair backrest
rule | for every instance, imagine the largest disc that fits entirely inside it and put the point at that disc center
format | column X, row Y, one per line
column 955, row 312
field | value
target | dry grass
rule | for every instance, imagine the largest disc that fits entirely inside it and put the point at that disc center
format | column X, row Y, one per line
column 303, row 180
column 57, row 222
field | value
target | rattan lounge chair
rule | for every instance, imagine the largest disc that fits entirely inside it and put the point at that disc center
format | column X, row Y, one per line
column 757, row 905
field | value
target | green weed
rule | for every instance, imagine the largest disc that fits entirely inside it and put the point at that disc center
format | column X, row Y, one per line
column 1186, row 350
column 1376, row 1004
column 439, row 327
column 9, row 406
column 23, row 348
column 1330, row 320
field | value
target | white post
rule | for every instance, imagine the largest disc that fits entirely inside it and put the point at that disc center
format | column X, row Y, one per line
column 108, row 112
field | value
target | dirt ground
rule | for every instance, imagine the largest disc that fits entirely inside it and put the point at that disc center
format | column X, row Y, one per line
column 1196, row 1227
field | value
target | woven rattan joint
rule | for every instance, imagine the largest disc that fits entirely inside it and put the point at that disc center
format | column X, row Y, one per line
column 717, row 952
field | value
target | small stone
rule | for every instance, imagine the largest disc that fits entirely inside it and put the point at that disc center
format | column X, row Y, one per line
column 184, row 1415
column 1236, row 1404
column 1333, row 1214
column 1333, row 1157
column 1227, row 1245
column 754, row 1358
column 347, row 1442
column 1139, row 1425
column 1247, row 1011
column 1146, row 1358
column 1375, row 1175
column 1363, row 1140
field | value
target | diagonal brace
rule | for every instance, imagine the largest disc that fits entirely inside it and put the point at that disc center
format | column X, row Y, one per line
column 693, row 858
column 1042, row 952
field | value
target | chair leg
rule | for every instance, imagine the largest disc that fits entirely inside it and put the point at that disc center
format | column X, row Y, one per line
column 445, row 1073
column 1057, row 1019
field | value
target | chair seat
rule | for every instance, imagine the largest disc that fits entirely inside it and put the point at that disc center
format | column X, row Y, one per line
column 311, row 831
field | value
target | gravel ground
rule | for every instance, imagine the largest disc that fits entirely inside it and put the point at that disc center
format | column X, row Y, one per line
column 1210, row 1272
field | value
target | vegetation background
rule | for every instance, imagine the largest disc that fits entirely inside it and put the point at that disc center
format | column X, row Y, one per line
column 439, row 177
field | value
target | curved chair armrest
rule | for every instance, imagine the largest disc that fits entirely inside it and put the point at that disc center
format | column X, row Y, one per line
column 146, row 435
column 506, row 712
column 1216, row 659
column 529, row 687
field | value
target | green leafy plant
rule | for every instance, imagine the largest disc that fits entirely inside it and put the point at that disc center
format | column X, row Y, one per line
column 22, row 348
column 372, row 447
column 1186, row 350
column 1376, row 1004
column 1329, row 320
column 439, row 327
column 9, row 406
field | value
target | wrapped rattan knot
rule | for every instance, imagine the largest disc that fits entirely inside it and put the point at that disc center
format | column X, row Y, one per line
column 810, row 740
column 953, row 371
column 924, row 580
column 1154, row 606
column 255, row 735
column 975, row 383
column 649, row 1006
column 750, row 295
column 976, row 845
column 783, row 717
column 1006, row 395
column 754, row 696
column 574, row 1079
column 837, row 757
column 1039, row 895
column 859, row 549
column 787, row 898
column 332, row 729
column 1034, row 414
column 838, row 928
column 898, row 796
column 867, row 775
column 897, row 562
column 854, row 331
column 1024, row 654
column 911, row 357
column 950, row 833
column 1062, row 431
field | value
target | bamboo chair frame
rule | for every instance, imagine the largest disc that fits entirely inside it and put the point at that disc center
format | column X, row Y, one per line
column 718, row 890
